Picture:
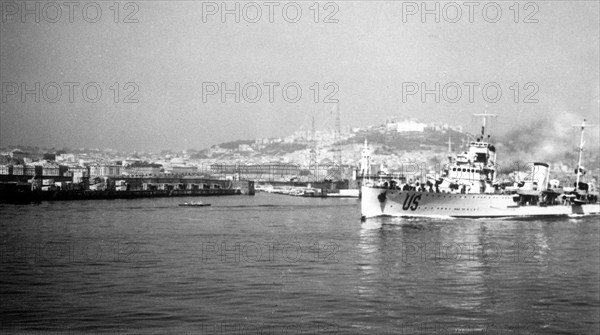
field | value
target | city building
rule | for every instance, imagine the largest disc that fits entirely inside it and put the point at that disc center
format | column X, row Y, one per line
column 181, row 169
column 105, row 170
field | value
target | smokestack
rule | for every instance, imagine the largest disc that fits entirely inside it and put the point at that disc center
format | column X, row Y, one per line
column 539, row 175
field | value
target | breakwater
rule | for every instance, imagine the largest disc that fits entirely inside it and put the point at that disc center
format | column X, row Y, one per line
column 37, row 196
column 22, row 192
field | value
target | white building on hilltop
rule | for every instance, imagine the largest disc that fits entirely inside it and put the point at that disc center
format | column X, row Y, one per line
column 407, row 126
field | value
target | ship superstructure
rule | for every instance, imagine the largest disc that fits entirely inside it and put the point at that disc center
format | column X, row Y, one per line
column 469, row 187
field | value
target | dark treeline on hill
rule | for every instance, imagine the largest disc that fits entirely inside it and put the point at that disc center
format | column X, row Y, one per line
column 268, row 149
column 233, row 145
column 144, row 164
column 198, row 155
column 282, row 148
column 410, row 141
column 7, row 160
column 533, row 142
column 27, row 148
column 42, row 150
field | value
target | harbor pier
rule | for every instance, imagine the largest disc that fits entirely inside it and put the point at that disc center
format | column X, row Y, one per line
column 22, row 191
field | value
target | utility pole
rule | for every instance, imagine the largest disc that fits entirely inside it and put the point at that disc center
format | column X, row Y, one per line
column 313, row 163
column 337, row 138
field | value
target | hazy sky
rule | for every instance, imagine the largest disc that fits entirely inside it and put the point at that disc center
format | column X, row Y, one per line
column 370, row 53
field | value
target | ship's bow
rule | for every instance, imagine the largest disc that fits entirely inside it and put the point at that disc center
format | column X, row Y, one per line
column 370, row 204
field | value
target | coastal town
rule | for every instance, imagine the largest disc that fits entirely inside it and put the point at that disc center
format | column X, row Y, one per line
column 299, row 167
column 405, row 148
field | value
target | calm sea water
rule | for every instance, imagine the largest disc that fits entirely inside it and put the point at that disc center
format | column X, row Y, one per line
column 272, row 264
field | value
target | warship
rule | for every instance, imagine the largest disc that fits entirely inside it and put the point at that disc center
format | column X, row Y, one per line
column 469, row 187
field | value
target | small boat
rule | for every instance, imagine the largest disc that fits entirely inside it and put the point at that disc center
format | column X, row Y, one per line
column 194, row 204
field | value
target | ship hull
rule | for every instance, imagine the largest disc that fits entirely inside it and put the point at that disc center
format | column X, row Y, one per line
column 387, row 202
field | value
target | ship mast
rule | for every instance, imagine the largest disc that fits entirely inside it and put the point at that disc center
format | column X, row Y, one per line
column 366, row 161
column 582, row 125
column 449, row 150
column 484, row 116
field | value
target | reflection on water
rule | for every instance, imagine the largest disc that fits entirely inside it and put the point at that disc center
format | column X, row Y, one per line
column 483, row 274
column 276, row 264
